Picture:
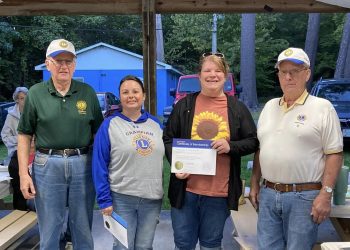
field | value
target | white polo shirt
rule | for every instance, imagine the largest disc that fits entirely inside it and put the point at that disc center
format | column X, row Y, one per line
column 294, row 141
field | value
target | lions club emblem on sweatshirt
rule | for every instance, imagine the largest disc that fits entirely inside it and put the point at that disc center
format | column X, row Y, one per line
column 143, row 144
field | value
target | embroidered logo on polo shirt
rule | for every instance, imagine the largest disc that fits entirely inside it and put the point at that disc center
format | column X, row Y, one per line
column 143, row 144
column 300, row 119
column 81, row 106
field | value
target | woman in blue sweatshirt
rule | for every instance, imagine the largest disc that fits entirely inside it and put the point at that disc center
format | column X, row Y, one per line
column 128, row 166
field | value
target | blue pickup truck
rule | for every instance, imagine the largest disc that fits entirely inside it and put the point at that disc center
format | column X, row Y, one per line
column 3, row 112
column 337, row 91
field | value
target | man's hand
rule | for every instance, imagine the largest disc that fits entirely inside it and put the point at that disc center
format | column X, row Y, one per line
column 255, row 181
column 27, row 187
column 221, row 146
column 107, row 211
column 254, row 195
column 321, row 207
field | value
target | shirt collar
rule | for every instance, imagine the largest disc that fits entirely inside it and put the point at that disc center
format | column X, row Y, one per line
column 73, row 88
column 300, row 101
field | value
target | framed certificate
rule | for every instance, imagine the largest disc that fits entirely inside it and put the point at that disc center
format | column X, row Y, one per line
column 193, row 157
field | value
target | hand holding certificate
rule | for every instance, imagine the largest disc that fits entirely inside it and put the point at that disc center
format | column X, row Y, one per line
column 193, row 157
column 117, row 226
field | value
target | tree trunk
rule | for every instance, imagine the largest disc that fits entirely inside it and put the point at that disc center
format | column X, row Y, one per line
column 248, row 74
column 311, row 42
column 344, row 44
column 347, row 64
column 159, row 39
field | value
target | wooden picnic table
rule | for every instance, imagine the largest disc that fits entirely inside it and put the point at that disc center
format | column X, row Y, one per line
column 340, row 218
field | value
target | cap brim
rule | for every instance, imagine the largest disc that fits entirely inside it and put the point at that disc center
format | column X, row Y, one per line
column 296, row 61
column 56, row 53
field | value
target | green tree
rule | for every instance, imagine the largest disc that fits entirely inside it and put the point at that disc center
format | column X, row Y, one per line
column 329, row 39
column 8, row 37
column 24, row 40
column 268, row 46
column 189, row 38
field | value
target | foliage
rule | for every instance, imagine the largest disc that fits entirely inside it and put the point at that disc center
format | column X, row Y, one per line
column 331, row 29
column 30, row 37
column 8, row 36
column 23, row 41
column 190, row 36
column 267, row 48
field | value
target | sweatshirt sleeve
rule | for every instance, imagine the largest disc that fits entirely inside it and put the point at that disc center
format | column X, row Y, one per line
column 100, row 165
column 8, row 132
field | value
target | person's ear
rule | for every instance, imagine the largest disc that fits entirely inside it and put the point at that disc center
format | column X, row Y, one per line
column 308, row 75
column 47, row 65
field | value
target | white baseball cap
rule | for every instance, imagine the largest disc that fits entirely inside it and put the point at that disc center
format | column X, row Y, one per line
column 294, row 55
column 59, row 46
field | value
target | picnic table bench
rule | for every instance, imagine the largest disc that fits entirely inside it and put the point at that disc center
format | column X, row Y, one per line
column 245, row 221
column 14, row 225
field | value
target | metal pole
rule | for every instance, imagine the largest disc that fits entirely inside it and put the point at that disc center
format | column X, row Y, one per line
column 214, row 38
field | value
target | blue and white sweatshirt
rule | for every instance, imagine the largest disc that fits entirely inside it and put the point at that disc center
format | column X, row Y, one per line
column 128, row 158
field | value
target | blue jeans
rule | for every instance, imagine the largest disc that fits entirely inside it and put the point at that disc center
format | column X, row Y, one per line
column 142, row 217
column 284, row 220
column 201, row 217
column 59, row 180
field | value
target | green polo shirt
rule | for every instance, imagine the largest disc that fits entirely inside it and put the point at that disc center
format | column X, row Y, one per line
column 58, row 121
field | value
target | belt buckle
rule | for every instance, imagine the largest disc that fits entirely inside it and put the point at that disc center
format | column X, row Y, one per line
column 275, row 186
column 65, row 152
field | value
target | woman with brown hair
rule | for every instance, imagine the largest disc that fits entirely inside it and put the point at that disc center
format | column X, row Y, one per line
column 201, row 203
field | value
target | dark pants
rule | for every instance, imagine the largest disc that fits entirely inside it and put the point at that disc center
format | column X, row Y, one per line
column 19, row 202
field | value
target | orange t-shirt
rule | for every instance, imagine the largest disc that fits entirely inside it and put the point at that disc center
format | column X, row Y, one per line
column 210, row 122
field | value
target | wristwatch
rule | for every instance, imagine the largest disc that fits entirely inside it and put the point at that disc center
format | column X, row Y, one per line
column 328, row 189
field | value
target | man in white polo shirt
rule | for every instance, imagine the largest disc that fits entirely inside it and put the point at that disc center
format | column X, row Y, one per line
column 300, row 155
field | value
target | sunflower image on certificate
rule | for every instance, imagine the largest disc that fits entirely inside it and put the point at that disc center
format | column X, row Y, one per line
column 193, row 157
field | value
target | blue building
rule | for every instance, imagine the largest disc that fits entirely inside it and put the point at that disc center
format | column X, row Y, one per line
column 103, row 66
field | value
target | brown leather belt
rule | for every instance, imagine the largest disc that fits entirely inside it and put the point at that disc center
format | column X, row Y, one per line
column 298, row 187
column 64, row 152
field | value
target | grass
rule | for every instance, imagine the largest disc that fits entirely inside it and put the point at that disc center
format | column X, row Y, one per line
column 166, row 178
column 3, row 151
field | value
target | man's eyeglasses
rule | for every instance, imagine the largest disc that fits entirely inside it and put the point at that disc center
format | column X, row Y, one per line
column 292, row 73
column 60, row 63
column 215, row 54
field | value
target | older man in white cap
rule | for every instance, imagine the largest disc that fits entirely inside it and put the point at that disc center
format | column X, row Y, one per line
column 64, row 115
column 299, row 159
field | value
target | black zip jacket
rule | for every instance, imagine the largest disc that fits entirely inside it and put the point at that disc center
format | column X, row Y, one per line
column 243, row 141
